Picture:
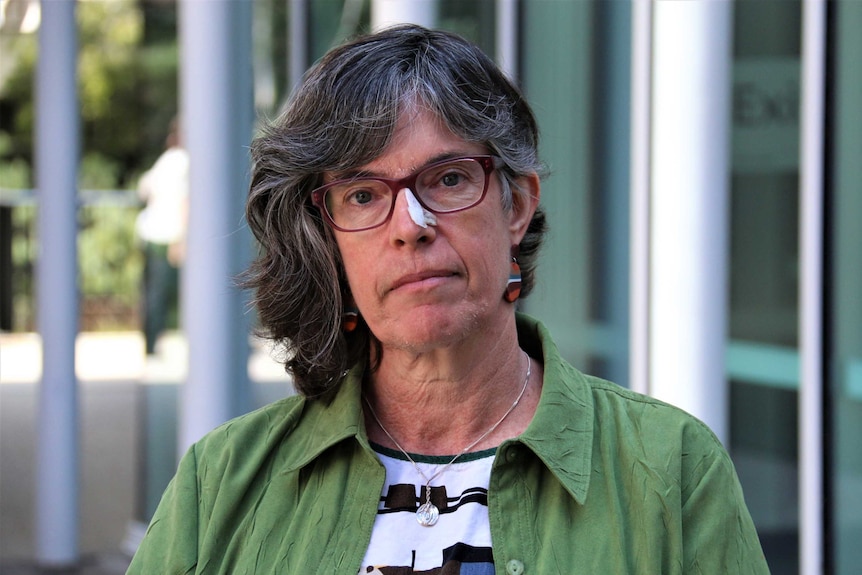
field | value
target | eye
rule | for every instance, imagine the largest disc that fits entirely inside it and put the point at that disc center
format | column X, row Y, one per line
column 360, row 197
column 451, row 179
column 447, row 177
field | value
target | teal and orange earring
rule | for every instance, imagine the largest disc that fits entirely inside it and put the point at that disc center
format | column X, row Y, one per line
column 513, row 286
column 350, row 315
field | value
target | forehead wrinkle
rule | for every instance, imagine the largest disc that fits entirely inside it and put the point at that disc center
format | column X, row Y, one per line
column 368, row 173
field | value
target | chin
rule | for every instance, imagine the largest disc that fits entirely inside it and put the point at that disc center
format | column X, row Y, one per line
column 425, row 330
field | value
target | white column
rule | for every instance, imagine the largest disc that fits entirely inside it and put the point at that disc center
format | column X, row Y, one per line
column 385, row 13
column 57, row 151
column 641, row 84
column 689, row 204
column 811, row 230
column 506, row 37
column 217, row 114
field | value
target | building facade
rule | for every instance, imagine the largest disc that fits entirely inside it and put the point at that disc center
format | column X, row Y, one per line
column 704, row 192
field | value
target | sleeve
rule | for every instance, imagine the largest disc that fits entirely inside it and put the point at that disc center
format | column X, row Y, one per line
column 718, row 532
column 170, row 546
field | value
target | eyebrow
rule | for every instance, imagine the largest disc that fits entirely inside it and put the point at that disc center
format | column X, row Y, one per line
column 357, row 174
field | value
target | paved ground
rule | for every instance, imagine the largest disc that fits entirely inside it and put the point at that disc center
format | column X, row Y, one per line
column 106, row 564
column 119, row 356
column 115, row 379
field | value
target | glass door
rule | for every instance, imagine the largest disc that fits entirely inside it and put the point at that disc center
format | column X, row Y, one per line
column 844, row 294
column 762, row 356
column 576, row 59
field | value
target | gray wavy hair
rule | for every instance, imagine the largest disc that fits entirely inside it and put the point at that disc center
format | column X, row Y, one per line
column 343, row 115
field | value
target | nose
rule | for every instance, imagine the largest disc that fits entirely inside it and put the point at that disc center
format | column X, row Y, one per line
column 403, row 227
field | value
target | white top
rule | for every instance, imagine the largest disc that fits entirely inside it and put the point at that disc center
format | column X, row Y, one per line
column 165, row 189
column 461, row 535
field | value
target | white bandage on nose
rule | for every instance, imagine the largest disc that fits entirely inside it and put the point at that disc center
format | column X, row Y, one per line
column 420, row 216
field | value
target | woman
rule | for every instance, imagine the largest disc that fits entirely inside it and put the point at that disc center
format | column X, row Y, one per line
column 436, row 430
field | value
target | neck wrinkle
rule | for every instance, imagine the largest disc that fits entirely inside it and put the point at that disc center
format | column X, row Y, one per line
column 441, row 416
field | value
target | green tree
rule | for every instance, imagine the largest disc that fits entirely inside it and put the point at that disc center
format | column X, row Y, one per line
column 127, row 92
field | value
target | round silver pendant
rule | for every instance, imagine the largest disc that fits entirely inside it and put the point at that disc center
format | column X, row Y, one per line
column 427, row 514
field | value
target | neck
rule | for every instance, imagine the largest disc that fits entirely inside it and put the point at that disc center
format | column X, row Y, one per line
column 442, row 404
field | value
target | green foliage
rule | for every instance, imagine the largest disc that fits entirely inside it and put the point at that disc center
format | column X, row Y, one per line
column 110, row 263
column 98, row 172
column 127, row 90
column 16, row 95
column 122, row 104
column 24, row 253
column 109, row 259
column 127, row 93
column 108, row 33
column 157, row 95
column 15, row 174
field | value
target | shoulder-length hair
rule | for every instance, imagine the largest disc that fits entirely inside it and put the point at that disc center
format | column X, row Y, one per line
column 342, row 116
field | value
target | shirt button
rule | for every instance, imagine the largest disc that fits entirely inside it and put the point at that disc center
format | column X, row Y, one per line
column 514, row 567
column 513, row 454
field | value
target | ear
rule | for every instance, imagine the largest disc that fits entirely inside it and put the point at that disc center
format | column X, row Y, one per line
column 526, row 192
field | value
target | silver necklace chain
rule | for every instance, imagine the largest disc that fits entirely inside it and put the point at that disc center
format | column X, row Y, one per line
column 427, row 514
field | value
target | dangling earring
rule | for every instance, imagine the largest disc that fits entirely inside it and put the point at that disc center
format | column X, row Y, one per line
column 350, row 315
column 513, row 286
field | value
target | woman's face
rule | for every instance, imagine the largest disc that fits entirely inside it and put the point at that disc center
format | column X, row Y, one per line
column 422, row 288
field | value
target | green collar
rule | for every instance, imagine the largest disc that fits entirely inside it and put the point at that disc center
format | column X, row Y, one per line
column 561, row 433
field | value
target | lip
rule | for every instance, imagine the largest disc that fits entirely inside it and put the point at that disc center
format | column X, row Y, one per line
column 420, row 277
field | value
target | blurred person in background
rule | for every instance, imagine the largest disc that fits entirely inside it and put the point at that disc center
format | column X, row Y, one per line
column 161, row 227
column 436, row 428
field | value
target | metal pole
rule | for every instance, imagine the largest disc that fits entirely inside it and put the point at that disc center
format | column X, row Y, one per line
column 811, row 288
column 689, row 203
column 217, row 111
column 57, row 151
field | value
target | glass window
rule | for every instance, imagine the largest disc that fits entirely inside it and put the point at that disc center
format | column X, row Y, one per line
column 763, row 356
column 576, row 62
column 844, row 310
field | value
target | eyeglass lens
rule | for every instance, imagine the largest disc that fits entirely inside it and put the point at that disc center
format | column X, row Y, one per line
column 445, row 187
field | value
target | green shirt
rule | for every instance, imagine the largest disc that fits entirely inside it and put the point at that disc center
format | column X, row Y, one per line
column 603, row 481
